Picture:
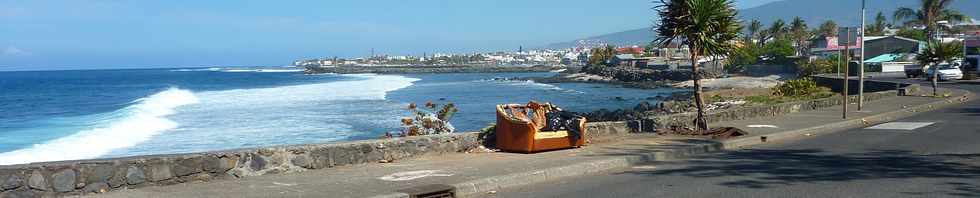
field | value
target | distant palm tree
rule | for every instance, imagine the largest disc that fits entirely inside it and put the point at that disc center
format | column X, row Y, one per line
column 936, row 53
column 928, row 14
column 754, row 27
column 800, row 33
column 707, row 27
column 602, row 55
column 827, row 29
column 878, row 27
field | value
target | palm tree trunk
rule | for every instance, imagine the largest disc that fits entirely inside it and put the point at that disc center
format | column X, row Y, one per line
column 700, row 123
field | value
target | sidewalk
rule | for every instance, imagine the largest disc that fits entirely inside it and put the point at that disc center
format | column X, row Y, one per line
column 479, row 173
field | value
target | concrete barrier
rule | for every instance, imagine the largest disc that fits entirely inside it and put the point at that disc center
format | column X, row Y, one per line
column 747, row 112
column 102, row 175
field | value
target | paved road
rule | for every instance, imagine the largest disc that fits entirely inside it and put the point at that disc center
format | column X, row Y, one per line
column 939, row 160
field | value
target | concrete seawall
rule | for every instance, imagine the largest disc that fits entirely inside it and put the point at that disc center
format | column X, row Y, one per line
column 102, row 175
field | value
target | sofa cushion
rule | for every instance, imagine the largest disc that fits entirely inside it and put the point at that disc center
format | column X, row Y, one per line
column 550, row 134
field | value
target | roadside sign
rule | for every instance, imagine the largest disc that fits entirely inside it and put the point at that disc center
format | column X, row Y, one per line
column 847, row 36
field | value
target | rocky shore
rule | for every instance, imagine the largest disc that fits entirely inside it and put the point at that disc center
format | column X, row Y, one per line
column 624, row 76
column 427, row 69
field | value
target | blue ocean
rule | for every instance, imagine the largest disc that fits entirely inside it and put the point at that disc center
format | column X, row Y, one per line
column 69, row 115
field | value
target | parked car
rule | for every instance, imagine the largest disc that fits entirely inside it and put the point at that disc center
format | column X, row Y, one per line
column 947, row 72
column 913, row 71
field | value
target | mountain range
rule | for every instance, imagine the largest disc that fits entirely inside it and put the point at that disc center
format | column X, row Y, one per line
column 814, row 12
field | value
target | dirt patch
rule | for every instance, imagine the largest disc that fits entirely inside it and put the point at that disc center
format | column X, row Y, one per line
column 715, row 133
column 738, row 82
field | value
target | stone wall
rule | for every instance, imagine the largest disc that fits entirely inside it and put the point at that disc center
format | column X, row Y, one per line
column 748, row 112
column 102, row 175
column 837, row 84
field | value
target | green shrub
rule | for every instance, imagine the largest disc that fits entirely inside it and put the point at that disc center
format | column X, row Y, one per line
column 803, row 87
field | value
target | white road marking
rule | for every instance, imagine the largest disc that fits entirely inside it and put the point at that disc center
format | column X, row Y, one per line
column 762, row 126
column 413, row 175
column 901, row 125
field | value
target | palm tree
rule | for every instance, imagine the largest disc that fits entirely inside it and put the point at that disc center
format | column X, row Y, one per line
column 828, row 28
column 707, row 27
column 927, row 15
column 878, row 27
column 936, row 53
column 602, row 55
column 800, row 33
column 777, row 30
column 754, row 27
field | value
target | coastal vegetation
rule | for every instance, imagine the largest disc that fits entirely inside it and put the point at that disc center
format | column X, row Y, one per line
column 707, row 27
column 602, row 55
column 928, row 14
column 818, row 66
column 430, row 119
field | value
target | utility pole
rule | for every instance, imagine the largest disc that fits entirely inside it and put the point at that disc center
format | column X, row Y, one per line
column 861, row 71
column 846, row 36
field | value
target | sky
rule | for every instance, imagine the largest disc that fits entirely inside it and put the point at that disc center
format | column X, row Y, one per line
column 94, row 34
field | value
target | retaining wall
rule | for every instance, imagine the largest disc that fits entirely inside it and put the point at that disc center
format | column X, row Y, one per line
column 747, row 112
column 102, row 175
column 837, row 84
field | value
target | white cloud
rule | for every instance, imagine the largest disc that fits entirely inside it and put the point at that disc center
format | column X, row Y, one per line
column 13, row 51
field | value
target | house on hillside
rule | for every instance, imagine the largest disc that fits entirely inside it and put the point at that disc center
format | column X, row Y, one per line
column 624, row 60
column 878, row 46
column 826, row 46
column 875, row 46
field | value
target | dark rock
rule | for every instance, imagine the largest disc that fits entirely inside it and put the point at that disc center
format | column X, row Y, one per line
column 188, row 166
column 160, row 171
column 321, row 158
column 96, row 172
column 643, row 107
column 339, row 156
column 301, row 161
column 118, row 176
column 38, row 182
column 257, row 163
column 98, row 187
column 135, row 176
column 19, row 193
column 64, row 180
column 212, row 164
column 12, row 182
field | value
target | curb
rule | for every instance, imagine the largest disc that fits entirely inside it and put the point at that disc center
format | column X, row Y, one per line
column 475, row 187
column 847, row 124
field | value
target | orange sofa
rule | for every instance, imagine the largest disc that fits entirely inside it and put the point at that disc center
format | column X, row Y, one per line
column 518, row 130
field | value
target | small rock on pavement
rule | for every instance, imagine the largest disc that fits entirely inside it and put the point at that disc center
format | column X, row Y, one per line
column 37, row 181
column 64, row 180
column 100, row 187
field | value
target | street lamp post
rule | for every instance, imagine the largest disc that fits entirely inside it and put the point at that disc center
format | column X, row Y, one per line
column 861, row 70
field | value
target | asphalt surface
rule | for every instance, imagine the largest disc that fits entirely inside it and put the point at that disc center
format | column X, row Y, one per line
column 939, row 160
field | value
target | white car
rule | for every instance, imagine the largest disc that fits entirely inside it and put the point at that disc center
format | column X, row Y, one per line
column 946, row 72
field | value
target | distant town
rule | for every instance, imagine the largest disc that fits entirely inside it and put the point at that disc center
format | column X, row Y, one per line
column 886, row 45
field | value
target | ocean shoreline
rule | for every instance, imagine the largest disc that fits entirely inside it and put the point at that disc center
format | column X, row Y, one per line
column 428, row 69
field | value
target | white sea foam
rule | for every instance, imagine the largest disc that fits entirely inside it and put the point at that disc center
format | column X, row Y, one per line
column 196, row 70
column 214, row 120
column 296, row 114
column 134, row 124
column 264, row 70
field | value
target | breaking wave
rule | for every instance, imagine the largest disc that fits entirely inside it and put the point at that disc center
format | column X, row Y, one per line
column 126, row 127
